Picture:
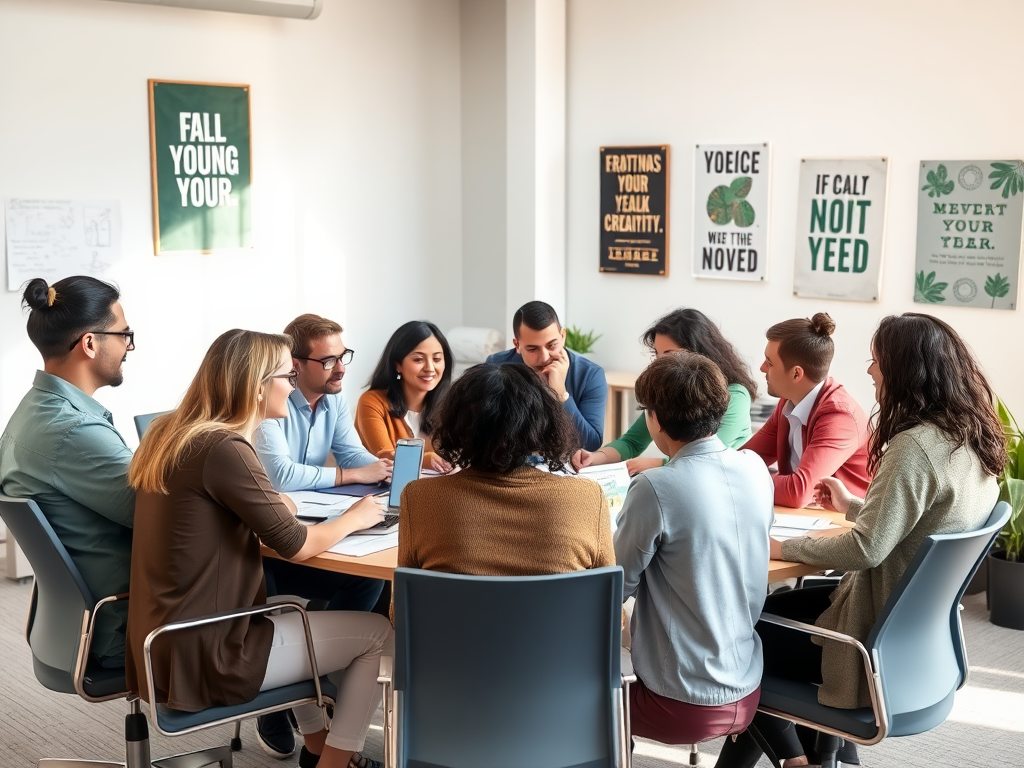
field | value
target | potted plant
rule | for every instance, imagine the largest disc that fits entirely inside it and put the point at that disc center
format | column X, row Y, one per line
column 579, row 341
column 1006, row 560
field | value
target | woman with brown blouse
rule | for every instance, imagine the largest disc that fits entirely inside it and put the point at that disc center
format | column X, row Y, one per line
column 203, row 505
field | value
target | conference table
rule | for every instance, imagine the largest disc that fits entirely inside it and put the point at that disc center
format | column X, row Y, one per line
column 381, row 565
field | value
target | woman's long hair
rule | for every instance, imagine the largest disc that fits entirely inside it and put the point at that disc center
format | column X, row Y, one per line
column 693, row 331
column 929, row 376
column 224, row 395
column 402, row 342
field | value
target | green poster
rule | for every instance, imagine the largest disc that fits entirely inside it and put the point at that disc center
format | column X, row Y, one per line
column 969, row 216
column 202, row 166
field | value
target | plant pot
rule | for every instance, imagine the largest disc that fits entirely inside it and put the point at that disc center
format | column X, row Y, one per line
column 1005, row 591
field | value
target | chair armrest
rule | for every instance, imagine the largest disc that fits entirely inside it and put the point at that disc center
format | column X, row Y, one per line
column 870, row 659
column 85, row 642
column 387, row 668
column 177, row 626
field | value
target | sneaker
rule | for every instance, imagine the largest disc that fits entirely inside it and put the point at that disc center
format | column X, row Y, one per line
column 275, row 734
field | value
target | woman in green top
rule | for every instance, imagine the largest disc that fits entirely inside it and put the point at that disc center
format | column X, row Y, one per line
column 687, row 330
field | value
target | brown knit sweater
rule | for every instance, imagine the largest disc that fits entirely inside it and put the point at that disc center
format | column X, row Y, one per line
column 525, row 523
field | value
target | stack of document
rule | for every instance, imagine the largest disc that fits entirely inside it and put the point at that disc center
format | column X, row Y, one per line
column 315, row 506
column 358, row 546
column 796, row 526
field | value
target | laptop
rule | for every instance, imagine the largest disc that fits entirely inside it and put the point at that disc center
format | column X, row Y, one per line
column 408, row 462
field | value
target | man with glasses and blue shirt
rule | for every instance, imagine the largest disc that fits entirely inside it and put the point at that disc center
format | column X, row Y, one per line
column 61, row 449
column 293, row 451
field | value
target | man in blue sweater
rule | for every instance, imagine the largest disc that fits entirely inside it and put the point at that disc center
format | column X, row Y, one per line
column 539, row 342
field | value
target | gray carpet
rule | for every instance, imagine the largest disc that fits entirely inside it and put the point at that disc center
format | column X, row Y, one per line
column 986, row 727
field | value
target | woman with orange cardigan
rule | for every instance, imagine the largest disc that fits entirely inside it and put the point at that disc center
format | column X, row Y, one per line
column 411, row 377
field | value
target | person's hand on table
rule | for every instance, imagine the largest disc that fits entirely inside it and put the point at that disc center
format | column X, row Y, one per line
column 554, row 374
column 377, row 472
column 582, row 459
column 439, row 465
column 775, row 549
column 832, row 495
column 636, row 466
column 365, row 513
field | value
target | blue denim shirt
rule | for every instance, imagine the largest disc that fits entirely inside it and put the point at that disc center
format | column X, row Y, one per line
column 293, row 450
column 60, row 449
column 692, row 540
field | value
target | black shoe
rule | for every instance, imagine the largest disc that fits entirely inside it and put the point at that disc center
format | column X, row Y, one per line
column 275, row 734
column 307, row 759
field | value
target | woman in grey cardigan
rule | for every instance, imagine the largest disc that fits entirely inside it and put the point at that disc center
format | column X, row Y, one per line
column 935, row 451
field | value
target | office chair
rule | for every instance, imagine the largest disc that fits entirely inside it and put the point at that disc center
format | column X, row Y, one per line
column 61, row 619
column 502, row 672
column 143, row 420
column 914, row 657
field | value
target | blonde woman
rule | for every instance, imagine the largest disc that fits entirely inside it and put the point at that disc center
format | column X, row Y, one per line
column 203, row 505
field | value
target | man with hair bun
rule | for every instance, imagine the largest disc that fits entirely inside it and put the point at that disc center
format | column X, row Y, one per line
column 692, row 540
column 61, row 449
column 817, row 430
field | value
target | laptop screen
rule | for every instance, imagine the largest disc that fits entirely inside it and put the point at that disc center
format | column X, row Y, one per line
column 408, row 458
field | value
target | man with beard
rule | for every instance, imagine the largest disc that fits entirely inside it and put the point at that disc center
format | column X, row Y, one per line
column 817, row 430
column 293, row 451
column 61, row 449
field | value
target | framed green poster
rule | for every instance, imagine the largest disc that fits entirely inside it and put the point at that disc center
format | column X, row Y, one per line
column 201, row 157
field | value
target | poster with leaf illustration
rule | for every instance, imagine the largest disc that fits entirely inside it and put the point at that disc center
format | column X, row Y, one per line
column 730, row 217
column 969, row 218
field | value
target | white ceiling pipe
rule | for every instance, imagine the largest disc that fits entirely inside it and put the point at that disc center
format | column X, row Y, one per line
column 292, row 9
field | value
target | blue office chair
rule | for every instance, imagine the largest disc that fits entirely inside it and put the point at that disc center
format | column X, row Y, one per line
column 143, row 420
column 61, row 619
column 502, row 672
column 914, row 657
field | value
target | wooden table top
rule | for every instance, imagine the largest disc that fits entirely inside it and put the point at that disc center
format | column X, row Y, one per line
column 381, row 565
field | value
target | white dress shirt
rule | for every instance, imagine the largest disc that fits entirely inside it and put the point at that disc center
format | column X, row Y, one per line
column 797, row 416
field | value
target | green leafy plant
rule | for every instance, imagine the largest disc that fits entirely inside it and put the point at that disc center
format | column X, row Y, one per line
column 926, row 290
column 728, row 203
column 997, row 287
column 580, row 341
column 1011, row 485
column 938, row 185
column 1009, row 176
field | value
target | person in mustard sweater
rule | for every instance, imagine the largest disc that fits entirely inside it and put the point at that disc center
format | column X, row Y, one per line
column 410, row 380
column 685, row 330
column 499, row 515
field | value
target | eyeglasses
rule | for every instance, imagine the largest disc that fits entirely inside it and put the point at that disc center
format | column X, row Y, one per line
column 129, row 337
column 329, row 362
column 292, row 377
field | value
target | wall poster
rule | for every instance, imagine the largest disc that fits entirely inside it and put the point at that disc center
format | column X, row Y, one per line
column 730, row 217
column 969, row 216
column 634, row 210
column 840, row 227
column 201, row 156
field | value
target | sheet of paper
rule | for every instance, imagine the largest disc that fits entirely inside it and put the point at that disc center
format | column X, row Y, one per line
column 359, row 546
column 802, row 522
column 56, row 238
column 314, row 504
column 614, row 481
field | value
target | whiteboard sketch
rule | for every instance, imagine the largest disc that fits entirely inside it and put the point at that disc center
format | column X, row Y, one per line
column 56, row 238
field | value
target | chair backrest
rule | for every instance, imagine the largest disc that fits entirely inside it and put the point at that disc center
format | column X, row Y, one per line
column 917, row 636
column 61, row 597
column 143, row 420
column 507, row 671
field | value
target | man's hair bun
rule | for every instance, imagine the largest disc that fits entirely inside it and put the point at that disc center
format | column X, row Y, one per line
column 822, row 324
column 37, row 294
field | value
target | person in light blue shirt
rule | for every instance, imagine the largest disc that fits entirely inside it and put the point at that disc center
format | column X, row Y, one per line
column 692, row 540
column 61, row 449
column 319, row 423
column 293, row 451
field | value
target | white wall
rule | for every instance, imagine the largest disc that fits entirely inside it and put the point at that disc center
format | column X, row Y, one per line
column 356, row 164
column 913, row 80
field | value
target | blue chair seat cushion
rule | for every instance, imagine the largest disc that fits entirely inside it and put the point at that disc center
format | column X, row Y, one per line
column 175, row 721
column 801, row 700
